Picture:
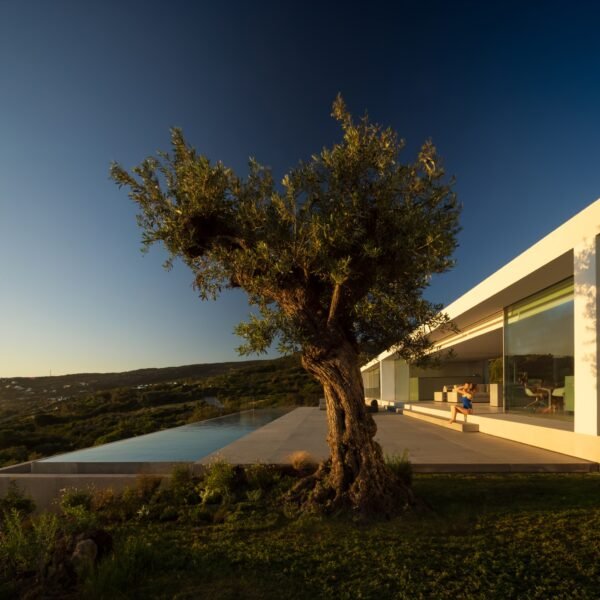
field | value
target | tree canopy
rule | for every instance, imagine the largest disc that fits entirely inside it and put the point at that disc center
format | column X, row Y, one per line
column 347, row 242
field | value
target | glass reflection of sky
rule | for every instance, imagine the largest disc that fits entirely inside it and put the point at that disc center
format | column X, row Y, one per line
column 547, row 332
column 186, row 443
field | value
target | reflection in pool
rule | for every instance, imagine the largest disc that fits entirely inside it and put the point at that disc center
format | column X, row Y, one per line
column 185, row 443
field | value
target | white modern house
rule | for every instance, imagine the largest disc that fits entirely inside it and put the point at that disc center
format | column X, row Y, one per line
column 529, row 336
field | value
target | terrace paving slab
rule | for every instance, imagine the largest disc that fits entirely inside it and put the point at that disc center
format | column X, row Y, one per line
column 304, row 428
column 430, row 448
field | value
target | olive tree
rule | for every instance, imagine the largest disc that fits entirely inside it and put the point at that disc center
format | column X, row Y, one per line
column 334, row 259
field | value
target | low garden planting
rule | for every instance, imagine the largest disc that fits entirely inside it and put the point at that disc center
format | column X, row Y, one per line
column 232, row 534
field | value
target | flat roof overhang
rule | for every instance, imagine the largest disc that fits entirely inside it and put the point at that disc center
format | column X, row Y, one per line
column 545, row 263
column 484, row 346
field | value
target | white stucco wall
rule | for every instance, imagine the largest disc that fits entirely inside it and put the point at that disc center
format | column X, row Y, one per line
column 586, row 329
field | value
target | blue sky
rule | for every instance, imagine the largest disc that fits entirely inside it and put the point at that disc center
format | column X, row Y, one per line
column 509, row 92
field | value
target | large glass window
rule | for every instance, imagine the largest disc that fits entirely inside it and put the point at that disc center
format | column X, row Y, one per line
column 401, row 380
column 371, row 382
column 538, row 353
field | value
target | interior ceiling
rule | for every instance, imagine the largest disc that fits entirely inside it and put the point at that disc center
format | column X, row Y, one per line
column 488, row 345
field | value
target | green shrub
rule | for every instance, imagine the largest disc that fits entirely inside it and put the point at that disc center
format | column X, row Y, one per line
column 169, row 513
column 27, row 546
column 130, row 562
column 112, row 507
column 76, row 505
column 75, row 497
column 181, row 477
column 198, row 514
column 218, row 484
column 43, row 419
column 16, row 498
column 221, row 514
column 254, row 495
column 137, row 569
column 146, row 486
column 400, row 466
column 80, row 519
column 202, row 412
column 129, row 503
column 104, row 499
column 144, row 513
column 16, row 550
column 261, row 477
column 45, row 530
column 182, row 487
column 13, row 455
column 283, row 484
column 113, row 436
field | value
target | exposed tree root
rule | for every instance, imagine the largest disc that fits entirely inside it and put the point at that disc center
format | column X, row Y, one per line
column 316, row 494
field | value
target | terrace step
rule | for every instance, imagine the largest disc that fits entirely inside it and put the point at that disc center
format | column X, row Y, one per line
column 442, row 422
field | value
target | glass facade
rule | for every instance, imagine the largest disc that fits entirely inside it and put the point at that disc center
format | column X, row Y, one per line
column 401, row 378
column 371, row 382
column 539, row 353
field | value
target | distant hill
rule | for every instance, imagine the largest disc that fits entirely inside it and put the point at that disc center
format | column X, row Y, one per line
column 27, row 391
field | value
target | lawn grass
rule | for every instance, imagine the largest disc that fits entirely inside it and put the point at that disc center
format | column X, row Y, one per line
column 492, row 536
column 230, row 536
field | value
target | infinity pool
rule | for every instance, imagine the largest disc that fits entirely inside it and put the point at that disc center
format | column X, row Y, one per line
column 186, row 443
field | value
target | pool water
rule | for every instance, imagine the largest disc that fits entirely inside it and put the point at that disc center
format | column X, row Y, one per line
column 186, row 443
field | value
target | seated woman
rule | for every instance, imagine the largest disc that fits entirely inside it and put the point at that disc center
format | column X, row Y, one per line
column 466, row 391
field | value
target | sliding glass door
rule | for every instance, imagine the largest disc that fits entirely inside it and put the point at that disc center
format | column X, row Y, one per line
column 538, row 353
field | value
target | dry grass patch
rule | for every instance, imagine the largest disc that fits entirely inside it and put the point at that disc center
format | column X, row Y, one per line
column 303, row 461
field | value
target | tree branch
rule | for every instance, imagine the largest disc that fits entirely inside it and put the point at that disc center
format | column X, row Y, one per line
column 335, row 301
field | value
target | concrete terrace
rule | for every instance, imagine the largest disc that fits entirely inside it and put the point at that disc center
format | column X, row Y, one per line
column 430, row 448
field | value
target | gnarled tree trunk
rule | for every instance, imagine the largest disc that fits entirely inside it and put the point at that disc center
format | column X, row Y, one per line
column 356, row 476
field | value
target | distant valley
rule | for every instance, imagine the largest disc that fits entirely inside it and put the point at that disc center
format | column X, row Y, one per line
column 41, row 416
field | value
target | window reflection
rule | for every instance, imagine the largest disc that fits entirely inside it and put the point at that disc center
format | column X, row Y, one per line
column 371, row 382
column 539, row 353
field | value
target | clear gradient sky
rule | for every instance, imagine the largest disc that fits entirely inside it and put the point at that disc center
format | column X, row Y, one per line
column 508, row 91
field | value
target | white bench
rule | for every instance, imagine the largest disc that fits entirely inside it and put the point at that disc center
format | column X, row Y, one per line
column 442, row 422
